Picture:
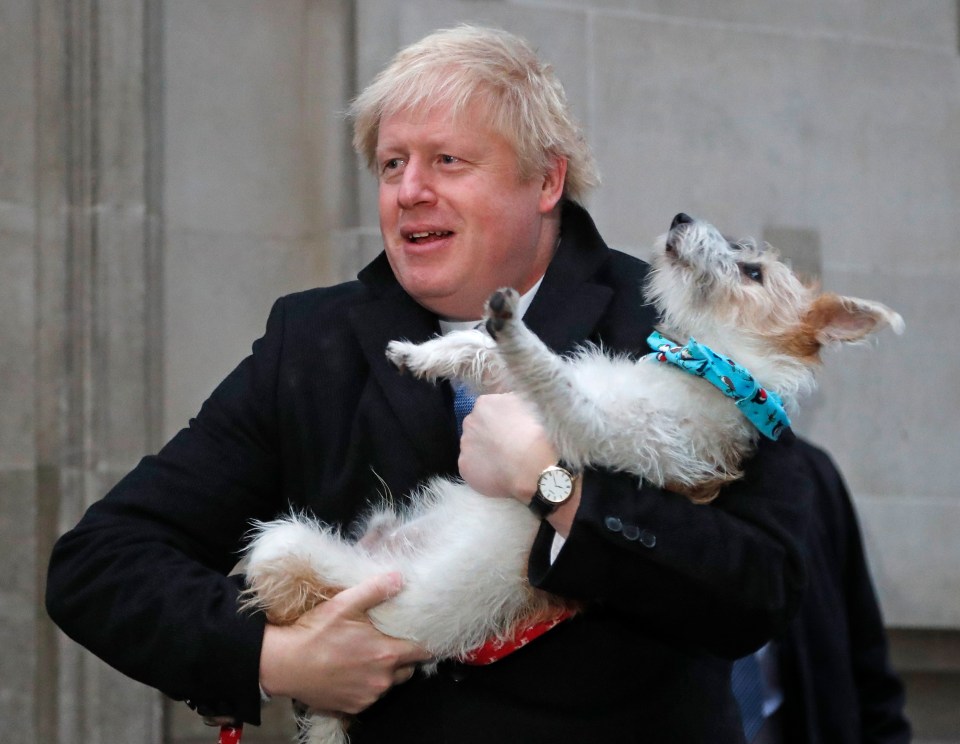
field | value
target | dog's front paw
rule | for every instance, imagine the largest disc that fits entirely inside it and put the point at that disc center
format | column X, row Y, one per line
column 400, row 353
column 460, row 355
column 501, row 309
column 420, row 360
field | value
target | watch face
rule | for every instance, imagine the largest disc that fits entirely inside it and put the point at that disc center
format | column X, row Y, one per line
column 555, row 485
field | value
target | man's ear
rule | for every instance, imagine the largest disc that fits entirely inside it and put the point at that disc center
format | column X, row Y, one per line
column 838, row 319
column 551, row 189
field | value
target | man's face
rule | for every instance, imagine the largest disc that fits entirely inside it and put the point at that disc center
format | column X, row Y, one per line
column 457, row 222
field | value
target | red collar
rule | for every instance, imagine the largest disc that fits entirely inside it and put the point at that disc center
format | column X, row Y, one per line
column 496, row 648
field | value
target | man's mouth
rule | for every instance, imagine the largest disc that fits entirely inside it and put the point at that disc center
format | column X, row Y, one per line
column 426, row 236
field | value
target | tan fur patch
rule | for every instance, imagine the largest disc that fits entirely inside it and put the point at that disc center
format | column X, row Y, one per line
column 286, row 588
column 802, row 341
column 703, row 493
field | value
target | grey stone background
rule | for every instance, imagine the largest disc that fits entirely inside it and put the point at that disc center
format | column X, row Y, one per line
column 169, row 167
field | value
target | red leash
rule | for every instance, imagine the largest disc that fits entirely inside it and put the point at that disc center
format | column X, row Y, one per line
column 230, row 734
column 230, row 729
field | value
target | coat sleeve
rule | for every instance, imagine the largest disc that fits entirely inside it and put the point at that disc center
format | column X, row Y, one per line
column 725, row 577
column 142, row 580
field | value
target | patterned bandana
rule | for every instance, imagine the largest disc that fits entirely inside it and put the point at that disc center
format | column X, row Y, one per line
column 762, row 407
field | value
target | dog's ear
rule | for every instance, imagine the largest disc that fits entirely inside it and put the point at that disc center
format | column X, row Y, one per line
column 838, row 319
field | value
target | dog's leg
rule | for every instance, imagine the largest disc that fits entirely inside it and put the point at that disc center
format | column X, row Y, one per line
column 543, row 378
column 595, row 410
column 285, row 588
column 293, row 563
column 469, row 356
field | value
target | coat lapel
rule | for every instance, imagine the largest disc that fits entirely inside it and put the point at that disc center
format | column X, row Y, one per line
column 563, row 318
column 424, row 410
column 570, row 302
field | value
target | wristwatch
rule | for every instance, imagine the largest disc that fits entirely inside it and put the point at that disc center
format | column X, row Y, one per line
column 554, row 487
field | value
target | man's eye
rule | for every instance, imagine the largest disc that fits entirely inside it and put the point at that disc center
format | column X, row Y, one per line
column 449, row 159
column 752, row 271
column 391, row 164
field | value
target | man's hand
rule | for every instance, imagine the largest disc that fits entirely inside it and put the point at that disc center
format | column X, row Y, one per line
column 503, row 450
column 333, row 658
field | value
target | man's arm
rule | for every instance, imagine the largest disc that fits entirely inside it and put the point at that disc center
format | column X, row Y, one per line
column 142, row 581
column 725, row 576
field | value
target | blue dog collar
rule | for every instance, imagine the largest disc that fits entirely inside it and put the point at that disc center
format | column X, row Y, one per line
column 762, row 407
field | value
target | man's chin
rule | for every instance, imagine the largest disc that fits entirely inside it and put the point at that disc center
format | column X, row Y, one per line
column 448, row 304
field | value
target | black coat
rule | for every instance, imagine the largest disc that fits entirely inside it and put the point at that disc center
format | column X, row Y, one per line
column 316, row 415
column 835, row 669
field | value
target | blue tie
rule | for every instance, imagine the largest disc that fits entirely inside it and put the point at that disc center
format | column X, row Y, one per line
column 463, row 401
column 748, row 690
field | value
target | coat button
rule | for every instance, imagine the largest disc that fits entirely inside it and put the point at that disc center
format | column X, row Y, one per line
column 613, row 524
column 631, row 532
column 648, row 539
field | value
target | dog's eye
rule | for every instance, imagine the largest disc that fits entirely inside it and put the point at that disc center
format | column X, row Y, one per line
column 752, row 271
column 734, row 246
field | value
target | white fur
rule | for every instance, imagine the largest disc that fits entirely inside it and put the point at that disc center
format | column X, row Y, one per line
column 462, row 559
column 456, row 593
column 462, row 555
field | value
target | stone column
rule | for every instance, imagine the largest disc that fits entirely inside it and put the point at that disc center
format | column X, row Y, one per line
column 81, row 202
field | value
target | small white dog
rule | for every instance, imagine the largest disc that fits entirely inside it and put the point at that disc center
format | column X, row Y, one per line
column 463, row 556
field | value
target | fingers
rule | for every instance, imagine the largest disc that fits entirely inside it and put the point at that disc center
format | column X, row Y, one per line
column 333, row 657
column 411, row 654
column 502, row 429
column 403, row 674
column 341, row 665
column 357, row 600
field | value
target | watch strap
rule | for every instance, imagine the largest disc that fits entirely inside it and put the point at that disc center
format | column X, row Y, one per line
column 541, row 507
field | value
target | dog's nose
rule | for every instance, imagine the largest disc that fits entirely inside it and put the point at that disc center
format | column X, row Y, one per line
column 681, row 219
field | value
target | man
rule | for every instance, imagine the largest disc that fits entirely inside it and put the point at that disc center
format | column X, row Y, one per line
column 480, row 170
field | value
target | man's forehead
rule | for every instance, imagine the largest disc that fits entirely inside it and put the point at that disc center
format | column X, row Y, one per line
column 438, row 123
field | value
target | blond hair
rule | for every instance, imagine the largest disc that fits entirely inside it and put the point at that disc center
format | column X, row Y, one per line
column 454, row 67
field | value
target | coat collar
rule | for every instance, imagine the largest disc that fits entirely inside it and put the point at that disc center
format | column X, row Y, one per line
column 566, row 310
column 571, row 301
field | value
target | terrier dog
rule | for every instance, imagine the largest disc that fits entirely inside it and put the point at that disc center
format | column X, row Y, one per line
column 725, row 307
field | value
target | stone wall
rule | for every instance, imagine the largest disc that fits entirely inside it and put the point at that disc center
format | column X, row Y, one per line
column 168, row 168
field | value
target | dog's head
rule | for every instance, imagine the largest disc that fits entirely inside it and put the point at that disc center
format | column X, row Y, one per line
column 740, row 299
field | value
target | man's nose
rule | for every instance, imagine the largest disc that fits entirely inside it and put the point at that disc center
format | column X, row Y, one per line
column 416, row 186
